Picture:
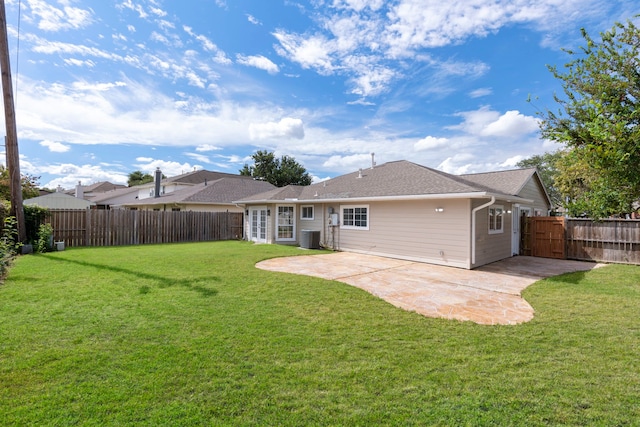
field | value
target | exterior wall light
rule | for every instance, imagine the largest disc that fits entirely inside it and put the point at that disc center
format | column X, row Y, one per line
column 439, row 209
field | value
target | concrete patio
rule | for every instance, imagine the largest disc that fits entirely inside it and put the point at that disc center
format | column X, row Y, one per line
column 489, row 295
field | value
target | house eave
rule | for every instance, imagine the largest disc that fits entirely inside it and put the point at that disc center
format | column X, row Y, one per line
column 474, row 195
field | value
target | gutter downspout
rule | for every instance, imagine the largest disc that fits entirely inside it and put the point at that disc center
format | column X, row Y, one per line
column 473, row 228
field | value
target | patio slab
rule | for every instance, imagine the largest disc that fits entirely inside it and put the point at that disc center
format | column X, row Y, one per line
column 489, row 295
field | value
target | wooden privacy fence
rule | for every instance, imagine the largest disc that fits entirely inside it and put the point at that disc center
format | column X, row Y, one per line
column 609, row 240
column 129, row 227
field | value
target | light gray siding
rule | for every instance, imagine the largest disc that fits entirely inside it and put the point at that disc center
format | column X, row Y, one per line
column 414, row 230
column 533, row 190
column 491, row 247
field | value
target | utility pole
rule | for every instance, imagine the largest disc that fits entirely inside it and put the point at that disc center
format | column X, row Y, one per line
column 11, row 145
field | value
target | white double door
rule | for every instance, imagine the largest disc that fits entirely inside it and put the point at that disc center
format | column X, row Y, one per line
column 258, row 224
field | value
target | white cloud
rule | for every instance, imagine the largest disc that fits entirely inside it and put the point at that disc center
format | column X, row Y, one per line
column 100, row 87
column 258, row 61
column 512, row 161
column 485, row 122
column 55, row 147
column 364, row 39
column 207, row 147
column 128, row 4
column 219, row 56
column 431, row 143
column 286, row 128
column 51, row 18
column 69, row 175
column 350, row 162
column 130, row 112
column 311, row 52
column 80, row 63
column 253, row 20
column 480, row 92
column 198, row 157
column 168, row 168
column 452, row 165
column 511, row 124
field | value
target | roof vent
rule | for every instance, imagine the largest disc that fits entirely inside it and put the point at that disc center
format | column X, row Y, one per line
column 360, row 173
column 373, row 160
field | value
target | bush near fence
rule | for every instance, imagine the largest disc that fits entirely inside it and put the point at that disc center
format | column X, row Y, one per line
column 131, row 227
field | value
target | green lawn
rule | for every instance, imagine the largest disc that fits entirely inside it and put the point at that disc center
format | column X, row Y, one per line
column 193, row 334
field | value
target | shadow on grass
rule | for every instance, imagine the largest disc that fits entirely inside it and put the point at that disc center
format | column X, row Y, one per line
column 574, row 277
column 163, row 282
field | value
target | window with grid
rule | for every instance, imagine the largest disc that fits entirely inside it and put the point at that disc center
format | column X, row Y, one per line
column 356, row 217
column 496, row 219
column 286, row 223
column 306, row 212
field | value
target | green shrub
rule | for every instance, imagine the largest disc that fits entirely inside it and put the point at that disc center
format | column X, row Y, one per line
column 45, row 238
column 34, row 217
column 9, row 245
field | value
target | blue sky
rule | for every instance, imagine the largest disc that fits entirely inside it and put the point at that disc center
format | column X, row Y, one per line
column 104, row 88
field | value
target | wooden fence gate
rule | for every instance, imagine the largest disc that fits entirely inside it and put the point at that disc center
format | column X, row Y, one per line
column 544, row 236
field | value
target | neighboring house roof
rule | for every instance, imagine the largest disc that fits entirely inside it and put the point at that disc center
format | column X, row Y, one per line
column 98, row 187
column 58, row 201
column 399, row 179
column 197, row 177
column 221, row 191
column 117, row 196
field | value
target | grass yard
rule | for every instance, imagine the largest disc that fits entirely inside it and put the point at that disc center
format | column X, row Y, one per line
column 193, row 334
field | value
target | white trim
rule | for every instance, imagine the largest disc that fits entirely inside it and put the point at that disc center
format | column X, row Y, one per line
column 293, row 225
column 354, row 207
column 476, row 195
column 494, row 222
column 313, row 212
column 259, row 231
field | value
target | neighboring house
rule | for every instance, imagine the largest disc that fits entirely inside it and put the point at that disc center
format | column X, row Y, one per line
column 116, row 198
column 404, row 210
column 89, row 192
column 180, row 182
column 209, row 196
column 58, row 201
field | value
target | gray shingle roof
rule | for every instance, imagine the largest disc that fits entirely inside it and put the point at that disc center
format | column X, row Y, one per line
column 507, row 182
column 400, row 178
column 221, row 191
column 199, row 176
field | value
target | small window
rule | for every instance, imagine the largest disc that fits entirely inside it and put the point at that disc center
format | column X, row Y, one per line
column 355, row 217
column 496, row 219
column 306, row 212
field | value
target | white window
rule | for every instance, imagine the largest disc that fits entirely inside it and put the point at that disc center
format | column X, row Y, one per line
column 286, row 223
column 355, row 217
column 496, row 219
column 306, row 212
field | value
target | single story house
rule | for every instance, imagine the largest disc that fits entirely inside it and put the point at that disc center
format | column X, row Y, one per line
column 207, row 196
column 404, row 210
column 59, row 200
column 161, row 186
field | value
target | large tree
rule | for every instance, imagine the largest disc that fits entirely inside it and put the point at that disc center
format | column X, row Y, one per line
column 598, row 120
column 29, row 185
column 139, row 178
column 279, row 172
